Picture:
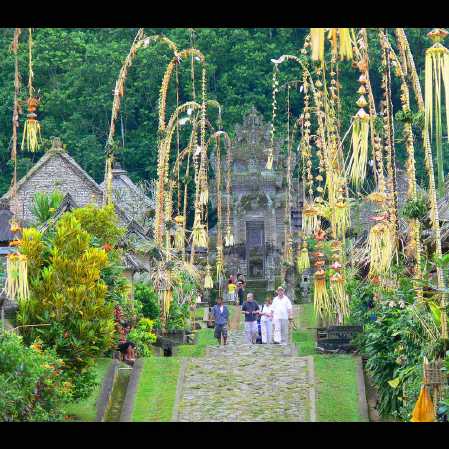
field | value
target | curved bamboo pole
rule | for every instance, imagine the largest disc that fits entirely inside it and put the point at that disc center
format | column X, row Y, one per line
column 434, row 215
column 140, row 41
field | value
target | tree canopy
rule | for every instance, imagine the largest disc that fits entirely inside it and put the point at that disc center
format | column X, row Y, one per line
column 75, row 70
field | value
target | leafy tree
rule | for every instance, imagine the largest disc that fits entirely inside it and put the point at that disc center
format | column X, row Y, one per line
column 69, row 296
column 32, row 387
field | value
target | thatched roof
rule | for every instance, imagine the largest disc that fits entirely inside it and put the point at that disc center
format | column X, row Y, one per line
column 62, row 153
column 133, row 264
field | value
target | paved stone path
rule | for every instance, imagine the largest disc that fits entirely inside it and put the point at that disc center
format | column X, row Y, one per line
column 241, row 382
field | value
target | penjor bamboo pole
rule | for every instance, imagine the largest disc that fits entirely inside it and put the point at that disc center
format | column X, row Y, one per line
column 415, row 225
column 402, row 40
column 15, row 114
column 390, row 146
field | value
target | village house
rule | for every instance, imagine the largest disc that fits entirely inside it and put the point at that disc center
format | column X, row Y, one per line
column 57, row 170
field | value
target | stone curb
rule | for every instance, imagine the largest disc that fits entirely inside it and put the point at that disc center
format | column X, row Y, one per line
column 312, row 394
column 179, row 388
column 363, row 403
column 104, row 399
column 128, row 403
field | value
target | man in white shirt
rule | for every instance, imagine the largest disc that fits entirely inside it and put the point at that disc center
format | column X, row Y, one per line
column 282, row 312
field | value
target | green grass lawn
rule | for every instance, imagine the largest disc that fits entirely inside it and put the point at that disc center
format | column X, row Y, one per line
column 336, row 375
column 205, row 338
column 156, row 392
column 86, row 410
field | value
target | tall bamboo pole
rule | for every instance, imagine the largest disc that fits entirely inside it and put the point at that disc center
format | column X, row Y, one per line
column 389, row 137
column 402, row 41
column 414, row 224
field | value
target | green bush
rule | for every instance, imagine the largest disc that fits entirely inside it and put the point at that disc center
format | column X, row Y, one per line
column 68, row 295
column 143, row 337
column 32, row 385
column 145, row 295
column 178, row 316
column 394, row 342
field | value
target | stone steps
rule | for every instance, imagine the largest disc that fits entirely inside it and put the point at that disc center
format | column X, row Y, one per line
column 242, row 382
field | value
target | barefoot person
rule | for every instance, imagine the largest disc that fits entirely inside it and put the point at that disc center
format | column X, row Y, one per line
column 250, row 309
column 282, row 313
column 221, row 316
column 266, row 321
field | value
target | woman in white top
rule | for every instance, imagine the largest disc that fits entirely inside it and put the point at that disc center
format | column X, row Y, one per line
column 266, row 321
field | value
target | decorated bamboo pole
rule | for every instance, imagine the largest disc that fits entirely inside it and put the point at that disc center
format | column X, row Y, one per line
column 16, row 264
column 288, row 241
column 414, row 223
column 437, row 71
column 219, row 244
column 361, row 50
column 434, row 215
column 229, row 237
column 389, row 137
column 140, row 41
column 15, row 115
column 32, row 129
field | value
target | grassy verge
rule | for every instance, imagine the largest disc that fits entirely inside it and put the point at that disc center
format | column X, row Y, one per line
column 86, row 410
column 156, row 393
column 205, row 338
column 336, row 375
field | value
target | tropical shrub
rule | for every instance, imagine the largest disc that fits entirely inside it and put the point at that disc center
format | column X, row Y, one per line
column 101, row 223
column 31, row 382
column 394, row 341
column 45, row 205
column 143, row 337
column 145, row 295
column 68, row 299
column 178, row 316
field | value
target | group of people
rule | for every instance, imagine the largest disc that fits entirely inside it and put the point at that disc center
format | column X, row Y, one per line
column 236, row 289
column 273, row 318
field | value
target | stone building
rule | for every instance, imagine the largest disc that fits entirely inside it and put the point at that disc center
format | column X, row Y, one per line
column 57, row 170
column 258, row 203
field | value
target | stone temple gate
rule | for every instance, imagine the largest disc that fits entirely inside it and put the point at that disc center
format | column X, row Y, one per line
column 258, row 202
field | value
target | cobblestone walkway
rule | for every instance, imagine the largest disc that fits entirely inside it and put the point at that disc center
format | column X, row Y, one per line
column 241, row 382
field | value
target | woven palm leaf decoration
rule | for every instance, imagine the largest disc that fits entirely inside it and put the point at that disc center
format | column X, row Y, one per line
column 302, row 258
column 32, row 129
column 208, row 282
column 17, row 277
column 437, row 78
column 340, row 39
column 360, row 134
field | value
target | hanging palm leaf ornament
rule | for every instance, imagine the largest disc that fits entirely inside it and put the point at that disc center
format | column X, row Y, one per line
column 436, row 74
